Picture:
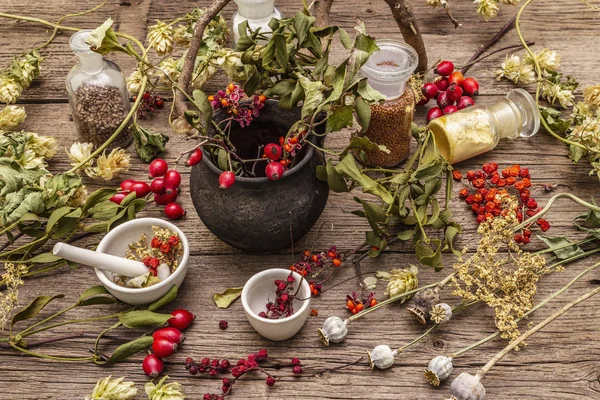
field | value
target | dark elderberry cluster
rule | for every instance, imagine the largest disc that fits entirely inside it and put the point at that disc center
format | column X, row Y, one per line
column 149, row 103
column 283, row 305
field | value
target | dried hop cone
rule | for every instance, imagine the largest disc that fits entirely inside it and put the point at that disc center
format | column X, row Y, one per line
column 440, row 313
column 467, row 387
column 438, row 370
column 334, row 330
column 400, row 281
column 423, row 302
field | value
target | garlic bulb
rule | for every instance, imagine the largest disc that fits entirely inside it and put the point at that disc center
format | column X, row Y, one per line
column 467, row 387
column 422, row 303
column 334, row 330
column 440, row 313
column 439, row 369
column 382, row 357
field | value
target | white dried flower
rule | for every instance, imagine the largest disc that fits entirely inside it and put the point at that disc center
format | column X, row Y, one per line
column 588, row 133
column 400, row 281
column 134, row 81
column 10, row 295
column 29, row 160
column 11, row 117
column 382, row 357
column 43, row 146
column 96, row 37
column 547, row 59
column 160, row 37
column 334, row 330
column 514, row 69
column 80, row 152
column 113, row 389
column 10, row 89
column 438, row 370
column 181, row 36
column 108, row 166
column 162, row 391
column 554, row 92
column 591, row 96
column 488, row 9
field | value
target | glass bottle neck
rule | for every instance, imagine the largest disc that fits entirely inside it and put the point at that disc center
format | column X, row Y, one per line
column 507, row 119
column 255, row 9
column 91, row 63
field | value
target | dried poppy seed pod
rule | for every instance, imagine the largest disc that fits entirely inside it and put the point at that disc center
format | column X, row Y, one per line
column 467, row 387
column 422, row 303
column 439, row 369
column 382, row 357
column 334, row 330
column 440, row 313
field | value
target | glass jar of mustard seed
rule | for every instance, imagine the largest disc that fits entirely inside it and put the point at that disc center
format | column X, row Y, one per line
column 97, row 94
column 388, row 71
column 476, row 130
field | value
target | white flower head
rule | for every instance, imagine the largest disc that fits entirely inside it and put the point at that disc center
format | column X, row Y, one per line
column 160, row 37
column 591, row 96
column 80, row 152
column 488, row 9
column 113, row 389
column 79, row 197
column 11, row 116
column 97, row 36
column 108, row 166
column 43, row 146
column 554, row 92
column 516, row 70
column 162, row 391
column 548, row 60
column 588, row 133
column 134, row 81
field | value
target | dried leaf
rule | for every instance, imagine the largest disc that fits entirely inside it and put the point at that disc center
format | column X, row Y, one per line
column 225, row 299
column 143, row 318
column 130, row 348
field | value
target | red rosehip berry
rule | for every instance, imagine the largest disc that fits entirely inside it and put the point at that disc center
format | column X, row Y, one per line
column 464, row 102
column 141, row 189
column 434, row 113
column 126, row 184
column 158, row 186
column 152, row 365
column 274, row 171
column 158, row 168
column 174, row 211
column 471, row 86
column 169, row 333
column 118, row 198
column 424, row 100
column 429, row 90
column 443, row 100
column 455, row 92
column 444, row 68
column 273, row 151
column 181, row 319
column 457, row 78
column 223, row 324
column 270, row 381
column 163, row 348
column 172, row 179
column 194, row 158
column 226, row 179
column 166, row 198
column 450, row 109
column 442, row 84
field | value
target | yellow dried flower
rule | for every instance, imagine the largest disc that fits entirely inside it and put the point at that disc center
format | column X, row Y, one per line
column 160, row 37
column 162, row 391
column 43, row 146
column 113, row 389
column 29, row 160
column 400, row 281
column 516, row 70
column 79, row 197
column 591, row 96
column 11, row 279
column 433, row 3
column 134, row 81
column 10, row 90
column 181, row 36
column 488, row 9
column 554, row 92
column 548, row 60
column 588, row 133
column 80, row 152
column 11, row 117
column 109, row 166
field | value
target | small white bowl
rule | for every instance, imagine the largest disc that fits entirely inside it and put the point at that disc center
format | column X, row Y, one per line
column 255, row 296
column 116, row 242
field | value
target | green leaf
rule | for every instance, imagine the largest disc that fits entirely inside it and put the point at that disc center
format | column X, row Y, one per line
column 363, row 111
column 143, row 318
column 34, row 308
column 253, row 82
column 281, row 88
column 56, row 216
column 30, row 225
column 553, row 119
column 347, row 167
column 166, row 299
column 364, row 47
column 345, row 39
column 430, row 256
column 369, row 94
column 222, row 160
column 44, row 258
column 406, row 235
column 591, row 218
column 91, row 292
column 128, row 349
column 339, row 117
column 451, row 231
column 430, row 170
column 148, row 145
column 98, row 197
column 335, row 179
column 95, row 295
column 562, row 247
column 281, row 54
column 67, row 225
column 313, row 95
column 225, row 299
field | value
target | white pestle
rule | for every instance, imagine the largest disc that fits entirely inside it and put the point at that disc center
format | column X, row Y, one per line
column 108, row 262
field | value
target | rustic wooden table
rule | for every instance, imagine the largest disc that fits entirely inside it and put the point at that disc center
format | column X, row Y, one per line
column 561, row 362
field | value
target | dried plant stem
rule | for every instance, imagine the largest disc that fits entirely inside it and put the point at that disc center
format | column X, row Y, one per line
column 403, row 14
column 192, row 52
column 486, row 368
column 534, row 309
column 322, row 9
column 514, row 46
column 446, row 7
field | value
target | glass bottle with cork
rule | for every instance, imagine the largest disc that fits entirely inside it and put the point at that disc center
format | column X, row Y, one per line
column 475, row 130
column 97, row 95
column 388, row 71
column 258, row 13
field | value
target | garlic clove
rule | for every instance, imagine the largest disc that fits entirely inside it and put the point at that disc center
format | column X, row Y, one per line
column 467, row 387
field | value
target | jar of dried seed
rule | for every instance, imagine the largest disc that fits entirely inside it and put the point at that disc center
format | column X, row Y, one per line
column 97, row 95
column 388, row 71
